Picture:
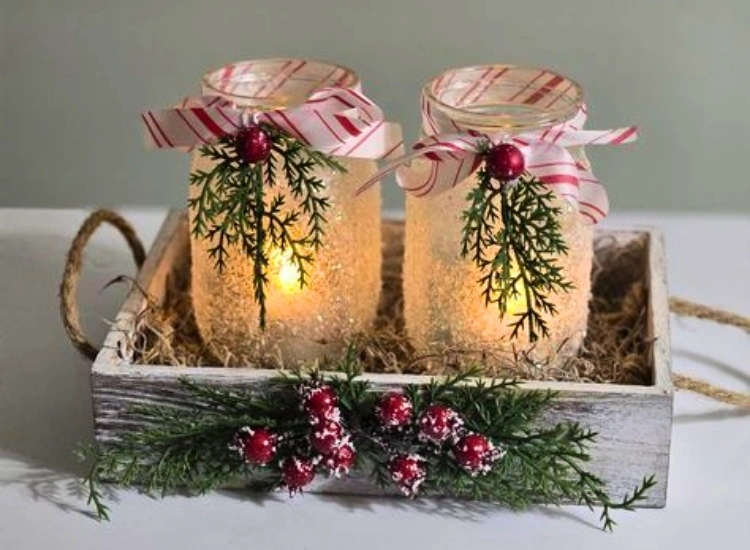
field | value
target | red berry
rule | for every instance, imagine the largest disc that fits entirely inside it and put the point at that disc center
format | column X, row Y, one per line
column 320, row 403
column 394, row 410
column 257, row 446
column 342, row 459
column 505, row 162
column 439, row 423
column 475, row 454
column 326, row 436
column 297, row 473
column 408, row 472
column 253, row 145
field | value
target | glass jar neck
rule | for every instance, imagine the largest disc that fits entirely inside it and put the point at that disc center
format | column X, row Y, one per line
column 269, row 84
column 498, row 99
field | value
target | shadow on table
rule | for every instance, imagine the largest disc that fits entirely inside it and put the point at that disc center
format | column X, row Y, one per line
column 67, row 494
column 464, row 510
column 712, row 362
column 45, row 399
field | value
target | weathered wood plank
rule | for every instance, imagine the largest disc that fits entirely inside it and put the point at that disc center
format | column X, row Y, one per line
column 633, row 428
column 633, row 422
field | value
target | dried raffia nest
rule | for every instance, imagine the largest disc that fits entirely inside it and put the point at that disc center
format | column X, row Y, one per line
column 615, row 350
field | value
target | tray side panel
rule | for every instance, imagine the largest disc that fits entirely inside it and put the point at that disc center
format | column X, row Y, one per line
column 633, row 440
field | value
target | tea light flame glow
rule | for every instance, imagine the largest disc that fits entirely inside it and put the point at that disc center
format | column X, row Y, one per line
column 516, row 303
column 284, row 272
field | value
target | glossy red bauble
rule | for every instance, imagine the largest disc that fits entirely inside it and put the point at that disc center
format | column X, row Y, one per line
column 505, row 162
column 253, row 145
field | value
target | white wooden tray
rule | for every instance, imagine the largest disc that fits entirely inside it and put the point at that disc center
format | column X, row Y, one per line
column 633, row 423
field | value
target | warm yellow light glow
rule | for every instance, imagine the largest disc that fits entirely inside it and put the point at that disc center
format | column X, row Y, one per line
column 283, row 271
column 516, row 303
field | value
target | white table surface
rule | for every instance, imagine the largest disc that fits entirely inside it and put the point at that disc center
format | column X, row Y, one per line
column 45, row 411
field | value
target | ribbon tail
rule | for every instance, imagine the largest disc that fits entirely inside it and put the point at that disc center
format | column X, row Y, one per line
column 387, row 169
column 382, row 141
column 593, row 202
column 555, row 167
column 194, row 122
column 443, row 175
column 340, row 122
column 566, row 136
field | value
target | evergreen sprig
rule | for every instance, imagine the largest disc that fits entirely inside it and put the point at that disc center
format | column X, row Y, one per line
column 186, row 447
column 512, row 233
column 239, row 204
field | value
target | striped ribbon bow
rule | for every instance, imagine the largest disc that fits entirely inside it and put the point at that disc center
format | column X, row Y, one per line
column 455, row 156
column 336, row 121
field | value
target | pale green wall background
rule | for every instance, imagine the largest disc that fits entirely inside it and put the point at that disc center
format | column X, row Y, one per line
column 74, row 74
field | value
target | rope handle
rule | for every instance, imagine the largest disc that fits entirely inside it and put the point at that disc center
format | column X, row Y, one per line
column 73, row 265
column 686, row 308
column 74, row 262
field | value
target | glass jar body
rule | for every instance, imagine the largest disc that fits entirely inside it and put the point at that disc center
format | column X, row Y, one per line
column 444, row 307
column 443, row 304
column 303, row 323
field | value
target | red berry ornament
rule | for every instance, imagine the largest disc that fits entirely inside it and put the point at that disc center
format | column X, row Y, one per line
column 320, row 403
column 326, row 436
column 408, row 472
column 394, row 410
column 253, row 145
column 475, row 454
column 297, row 473
column 257, row 446
column 341, row 459
column 439, row 423
column 505, row 162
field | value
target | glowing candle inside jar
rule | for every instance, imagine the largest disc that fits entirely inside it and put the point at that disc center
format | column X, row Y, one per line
column 285, row 273
column 517, row 301
column 447, row 302
column 340, row 297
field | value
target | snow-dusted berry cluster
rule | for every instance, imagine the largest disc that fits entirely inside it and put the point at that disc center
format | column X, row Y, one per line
column 329, row 445
column 409, row 439
column 441, row 429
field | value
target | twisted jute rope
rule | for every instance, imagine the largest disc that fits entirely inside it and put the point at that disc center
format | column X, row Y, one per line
column 74, row 264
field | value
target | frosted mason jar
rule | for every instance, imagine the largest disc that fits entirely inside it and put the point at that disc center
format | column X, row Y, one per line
column 443, row 302
column 341, row 296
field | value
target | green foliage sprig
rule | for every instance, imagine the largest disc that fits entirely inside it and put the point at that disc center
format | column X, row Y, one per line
column 241, row 204
column 512, row 233
column 187, row 448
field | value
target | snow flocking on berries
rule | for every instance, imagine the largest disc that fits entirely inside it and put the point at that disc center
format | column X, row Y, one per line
column 439, row 424
column 394, row 411
column 476, row 454
column 326, row 436
column 320, row 403
column 341, row 460
column 408, row 472
column 255, row 445
column 297, row 473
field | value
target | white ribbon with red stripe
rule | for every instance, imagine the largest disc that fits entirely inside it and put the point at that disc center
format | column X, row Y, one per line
column 453, row 149
column 455, row 157
column 336, row 121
